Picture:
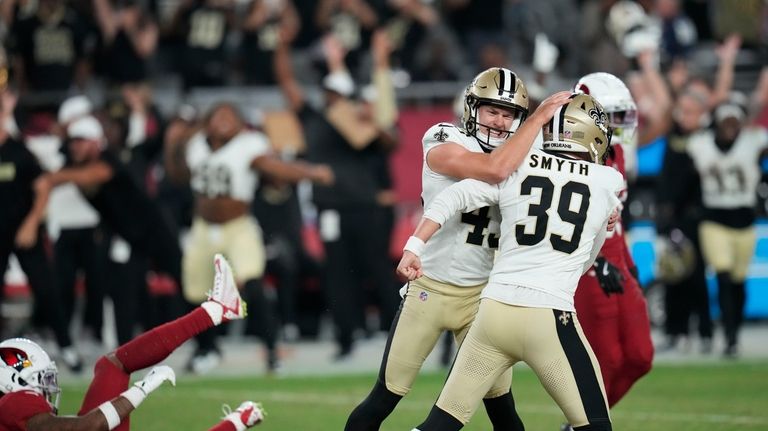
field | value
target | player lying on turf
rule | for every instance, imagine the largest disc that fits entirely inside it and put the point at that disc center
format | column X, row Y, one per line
column 555, row 212
column 29, row 390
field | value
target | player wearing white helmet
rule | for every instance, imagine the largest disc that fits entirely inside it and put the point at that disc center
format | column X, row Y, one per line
column 490, row 144
column 29, row 390
column 621, row 109
column 609, row 300
column 555, row 210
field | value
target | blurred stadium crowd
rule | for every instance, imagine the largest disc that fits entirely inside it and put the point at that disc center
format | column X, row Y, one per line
column 324, row 81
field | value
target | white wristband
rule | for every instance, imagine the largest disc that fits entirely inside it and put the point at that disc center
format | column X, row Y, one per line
column 415, row 245
column 134, row 396
column 110, row 414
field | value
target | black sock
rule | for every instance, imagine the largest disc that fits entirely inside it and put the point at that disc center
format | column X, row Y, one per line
column 440, row 420
column 369, row 414
column 596, row 425
column 262, row 320
column 728, row 306
column 501, row 411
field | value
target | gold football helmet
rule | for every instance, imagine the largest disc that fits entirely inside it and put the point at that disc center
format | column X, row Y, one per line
column 579, row 126
column 495, row 86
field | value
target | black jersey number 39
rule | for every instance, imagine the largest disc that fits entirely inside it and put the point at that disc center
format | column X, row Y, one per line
column 539, row 210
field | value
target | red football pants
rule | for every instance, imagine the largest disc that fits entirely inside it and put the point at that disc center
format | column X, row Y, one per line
column 618, row 329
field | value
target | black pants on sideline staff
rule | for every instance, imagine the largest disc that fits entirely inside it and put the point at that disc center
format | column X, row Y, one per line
column 690, row 296
column 355, row 258
column 37, row 267
column 128, row 285
column 82, row 249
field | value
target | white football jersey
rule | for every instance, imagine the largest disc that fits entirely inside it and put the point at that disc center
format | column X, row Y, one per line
column 554, row 213
column 461, row 253
column 226, row 171
column 728, row 179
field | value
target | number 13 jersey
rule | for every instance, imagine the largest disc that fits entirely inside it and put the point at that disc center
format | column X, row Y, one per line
column 554, row 213
column 461, row 253
column 729, row 178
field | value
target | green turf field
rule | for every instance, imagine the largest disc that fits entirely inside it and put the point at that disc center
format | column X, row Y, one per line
column 714, row 397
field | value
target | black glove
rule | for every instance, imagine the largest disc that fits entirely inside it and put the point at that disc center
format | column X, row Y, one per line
column 635, row 273
column 610, row 278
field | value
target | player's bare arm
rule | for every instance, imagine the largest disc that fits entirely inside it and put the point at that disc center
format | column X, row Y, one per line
column 177, row 135
column 90, row 175
column 95, row 420
column 466, row 195
column 293, row 172
column 726, row 53
column 108, row 415
column 660, row 121
column 26, row 236
column 292, row 91
column 454, row 160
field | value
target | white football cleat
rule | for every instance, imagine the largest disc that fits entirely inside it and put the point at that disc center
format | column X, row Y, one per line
column 249, row 414
column 225, row 292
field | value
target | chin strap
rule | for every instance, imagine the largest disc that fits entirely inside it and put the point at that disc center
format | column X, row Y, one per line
column 486, row 144
column 595, row 154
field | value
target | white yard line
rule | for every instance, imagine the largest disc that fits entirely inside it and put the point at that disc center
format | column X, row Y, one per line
column 406, row 404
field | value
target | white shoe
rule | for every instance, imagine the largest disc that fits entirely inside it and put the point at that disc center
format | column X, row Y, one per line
column 249, row 414
column 225, row 292
column 205, row 363
column 72, row 359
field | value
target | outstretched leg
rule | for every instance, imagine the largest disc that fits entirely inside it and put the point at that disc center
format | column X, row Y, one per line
column 112, row 371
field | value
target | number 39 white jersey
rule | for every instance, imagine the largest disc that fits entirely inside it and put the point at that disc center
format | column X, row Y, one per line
column 554, row 213
column 729, row 179
column 461, row 253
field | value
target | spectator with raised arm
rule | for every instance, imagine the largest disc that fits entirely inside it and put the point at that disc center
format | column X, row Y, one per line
column 50, row 48
column 348, row 211
column 266, row 23
column 200, row 28
column 351, row 22
column 129, row 40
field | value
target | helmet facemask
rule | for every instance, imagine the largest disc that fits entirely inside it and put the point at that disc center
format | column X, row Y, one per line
column 617, row 101
column 623, row 124
column 48, row 384
column 501, row 88
column 494, row 137
column 25, row 366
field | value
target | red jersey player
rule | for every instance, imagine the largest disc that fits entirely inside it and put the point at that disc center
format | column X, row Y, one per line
column 609, row 300
column 28, row 378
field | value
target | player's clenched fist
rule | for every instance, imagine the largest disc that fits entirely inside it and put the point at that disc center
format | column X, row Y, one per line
column 409, row 266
